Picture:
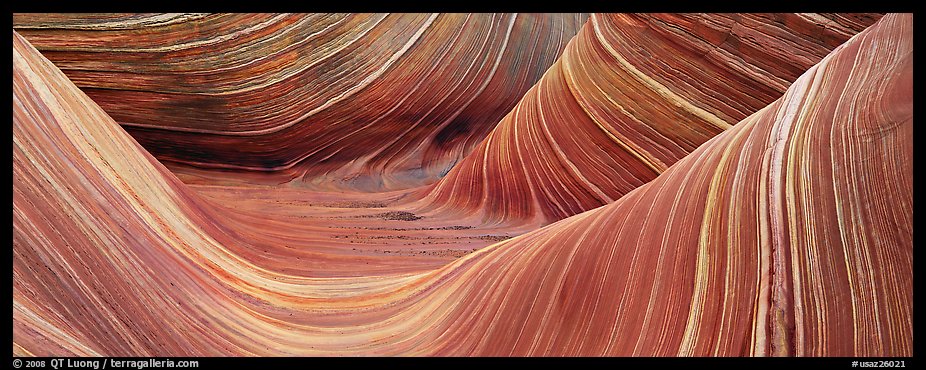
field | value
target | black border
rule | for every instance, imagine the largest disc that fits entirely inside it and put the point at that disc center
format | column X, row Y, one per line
column 538, row 362
column 478, row 6
column 475, row 6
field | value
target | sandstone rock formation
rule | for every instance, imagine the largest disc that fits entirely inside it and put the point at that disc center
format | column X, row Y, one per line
column 327, row 101
column 631, row 95
column 789, row 233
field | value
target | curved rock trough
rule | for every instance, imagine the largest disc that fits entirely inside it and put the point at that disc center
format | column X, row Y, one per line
column 462, row 185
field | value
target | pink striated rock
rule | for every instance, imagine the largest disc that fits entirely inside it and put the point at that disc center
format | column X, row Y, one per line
column 788, row 234
column 325, row 101
column 631, row 95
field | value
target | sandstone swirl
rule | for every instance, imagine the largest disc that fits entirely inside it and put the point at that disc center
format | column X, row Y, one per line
column 631, row 95
column 788, row 233
column 387, row 101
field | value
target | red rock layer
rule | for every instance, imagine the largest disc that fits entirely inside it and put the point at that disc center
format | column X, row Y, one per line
column 328, row 233
column 631, row 95
column 364, row 101
column 789, row 234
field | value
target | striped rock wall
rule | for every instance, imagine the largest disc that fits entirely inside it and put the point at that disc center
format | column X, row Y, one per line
column 631, row 95
column 327, row 101
column 790, row 233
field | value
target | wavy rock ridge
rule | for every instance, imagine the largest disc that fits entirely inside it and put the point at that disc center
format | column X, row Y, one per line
column 788, row 234
column 631, row 95
column 389, row 101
